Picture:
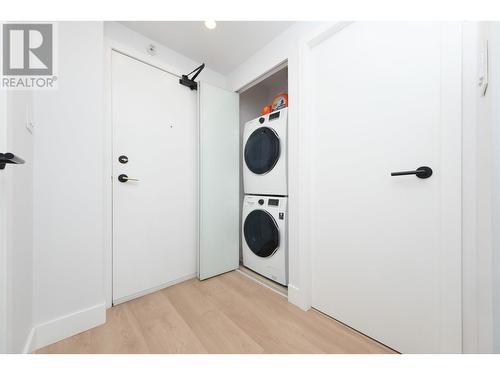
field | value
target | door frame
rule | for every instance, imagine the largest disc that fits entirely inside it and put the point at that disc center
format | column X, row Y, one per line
column 299, row 160
column 4, row 201
column 111, row 46
column 451, row 151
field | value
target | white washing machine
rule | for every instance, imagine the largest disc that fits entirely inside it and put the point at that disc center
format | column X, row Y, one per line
column 265, row 154
column 264, row 236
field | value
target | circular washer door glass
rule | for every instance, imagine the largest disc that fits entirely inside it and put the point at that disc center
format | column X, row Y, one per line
column 262, row 150
column 261, row 233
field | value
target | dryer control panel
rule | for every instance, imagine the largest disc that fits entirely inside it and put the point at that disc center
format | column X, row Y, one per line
column 273, row 202
column 272, row 116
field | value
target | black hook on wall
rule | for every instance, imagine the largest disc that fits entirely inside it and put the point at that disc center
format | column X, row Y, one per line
column 189, row 82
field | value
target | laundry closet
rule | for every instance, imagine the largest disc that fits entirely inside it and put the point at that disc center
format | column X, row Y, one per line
column 243, row 179
column 264, row 198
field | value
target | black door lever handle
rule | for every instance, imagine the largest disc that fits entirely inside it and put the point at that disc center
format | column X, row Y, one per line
column 125, row 178
column 9, row 158
column 422, row 172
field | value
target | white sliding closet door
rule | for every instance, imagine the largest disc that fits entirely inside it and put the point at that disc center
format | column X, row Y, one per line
column 386, row 250
column 219, row 180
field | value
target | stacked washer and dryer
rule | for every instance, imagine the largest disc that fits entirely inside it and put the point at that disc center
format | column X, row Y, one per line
column 264, row 214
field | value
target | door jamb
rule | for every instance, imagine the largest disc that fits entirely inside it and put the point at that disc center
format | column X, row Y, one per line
column 299, row 140
column 4, row 269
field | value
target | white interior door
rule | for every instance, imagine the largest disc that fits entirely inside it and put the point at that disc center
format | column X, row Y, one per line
column 219, row 181
column 386, row 249
column 154, row 218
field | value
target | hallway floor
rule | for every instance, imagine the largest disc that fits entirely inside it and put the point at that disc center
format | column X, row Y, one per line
column 226, row 314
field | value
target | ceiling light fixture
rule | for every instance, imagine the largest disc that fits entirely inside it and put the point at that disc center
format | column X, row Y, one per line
column 210, row 25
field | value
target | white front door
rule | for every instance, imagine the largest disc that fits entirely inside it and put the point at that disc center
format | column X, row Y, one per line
column 154, row 142
column 386, row 250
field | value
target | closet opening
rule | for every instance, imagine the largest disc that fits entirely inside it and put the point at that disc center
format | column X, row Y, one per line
column 263, row 108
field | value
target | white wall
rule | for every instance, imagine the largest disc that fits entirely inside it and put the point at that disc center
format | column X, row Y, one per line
column 494, row 92
column 482, row 155
column 179, row 64
column 282, row 48
column 68, row 192
column 477, row 199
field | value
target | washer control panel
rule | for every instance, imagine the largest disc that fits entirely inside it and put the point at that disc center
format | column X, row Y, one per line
column 271, row 202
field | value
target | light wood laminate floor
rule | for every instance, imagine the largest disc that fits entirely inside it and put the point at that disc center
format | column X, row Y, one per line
column 226, row 314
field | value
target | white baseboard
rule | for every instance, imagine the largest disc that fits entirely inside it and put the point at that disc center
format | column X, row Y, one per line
column 69, row 325
column 297, row 298
column 29, row 346
column 117, row 301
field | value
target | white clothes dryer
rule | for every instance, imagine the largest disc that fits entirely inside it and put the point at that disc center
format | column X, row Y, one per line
column 265, row 154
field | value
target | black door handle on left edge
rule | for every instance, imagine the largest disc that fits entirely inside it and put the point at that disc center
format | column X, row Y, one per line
column 422, row 172
column 9, row 158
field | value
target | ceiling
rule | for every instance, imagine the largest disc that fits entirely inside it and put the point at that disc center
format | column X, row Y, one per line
column 222, row 49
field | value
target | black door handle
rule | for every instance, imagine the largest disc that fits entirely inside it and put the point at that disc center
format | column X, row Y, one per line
column 9, row 158
column 125, row 178
column 422, row 172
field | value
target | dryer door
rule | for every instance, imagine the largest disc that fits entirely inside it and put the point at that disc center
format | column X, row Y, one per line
column 262, row 150
column 261, row 233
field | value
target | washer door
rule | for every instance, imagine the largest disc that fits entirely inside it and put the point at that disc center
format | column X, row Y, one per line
column 261, row 233
column 262, row 150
